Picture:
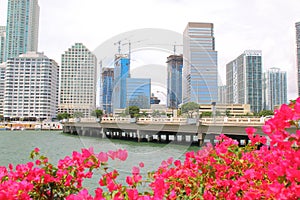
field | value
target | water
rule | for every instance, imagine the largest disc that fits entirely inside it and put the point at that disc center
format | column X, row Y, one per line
column 17, row 145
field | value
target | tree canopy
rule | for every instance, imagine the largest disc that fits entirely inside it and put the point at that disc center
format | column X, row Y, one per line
column 78, row 115
column 133, row 111
column 64, row 115
column 189, row 108
column 97, row 113
column 266, row 113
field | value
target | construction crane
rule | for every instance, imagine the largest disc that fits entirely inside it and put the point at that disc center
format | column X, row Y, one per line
column 174, row 46
column 119, row 46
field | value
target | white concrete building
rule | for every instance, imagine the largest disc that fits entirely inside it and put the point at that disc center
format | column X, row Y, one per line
column 2, row 85
column 78, row 81
column 31, row 86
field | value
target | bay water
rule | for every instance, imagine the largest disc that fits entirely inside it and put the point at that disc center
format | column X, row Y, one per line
column 17, row 145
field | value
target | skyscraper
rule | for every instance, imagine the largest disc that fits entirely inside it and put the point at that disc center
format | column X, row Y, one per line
column 31, row 86
column 222, row 94
column 2, row 43
column 78, row 81
column 298, row 53
column 138, row 91
column 200, row 68
column 275, row 88
column 2, row 86
column 107, row 89
column 174, row 82
column 244, row 80
column 22, row 27
column 121, row 73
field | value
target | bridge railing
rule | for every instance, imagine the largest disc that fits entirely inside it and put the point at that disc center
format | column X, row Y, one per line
column 233, row 120
column 153, row 120
column 175, row 120
column 115, row 120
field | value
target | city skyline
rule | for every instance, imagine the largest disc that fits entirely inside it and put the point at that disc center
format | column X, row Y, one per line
column 238, row 26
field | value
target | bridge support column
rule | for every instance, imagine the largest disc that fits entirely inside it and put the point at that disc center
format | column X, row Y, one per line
column 167, row 137
column 159, row 138
column 183, row 138
column 138, row 135
column 101, row 133
column 150, row 138
column 201, row 137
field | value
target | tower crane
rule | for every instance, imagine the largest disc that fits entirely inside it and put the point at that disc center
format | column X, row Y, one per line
column 166, row 44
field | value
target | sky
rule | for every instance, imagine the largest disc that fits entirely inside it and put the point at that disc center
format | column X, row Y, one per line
column 239, row 25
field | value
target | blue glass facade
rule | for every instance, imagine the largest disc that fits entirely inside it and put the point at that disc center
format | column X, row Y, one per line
column 275, row 88
column 121, row 73
column 200, row 71
column 2, row 43
column 107, row 89
column 244, row 80
column 174, row 82
column 138, row 92
column 22, row 27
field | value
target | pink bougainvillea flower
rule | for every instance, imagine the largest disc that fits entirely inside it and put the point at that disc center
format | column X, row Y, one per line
column 36, row 150
column 122, row 154
column 103, row 157
column 141, row 164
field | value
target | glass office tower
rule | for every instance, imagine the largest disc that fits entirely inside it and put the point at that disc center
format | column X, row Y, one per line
column 275, row 88
column 107, row 89
column 121, row 73
column 174, row 82
column 22, row 27
column 244, row 80
column 200, row 68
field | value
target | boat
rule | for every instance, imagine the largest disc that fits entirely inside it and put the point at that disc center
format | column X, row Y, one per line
column 17, row 128
column 2, row 127
column 38, row 127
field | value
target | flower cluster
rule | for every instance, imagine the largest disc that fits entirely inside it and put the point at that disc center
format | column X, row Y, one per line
column 226, row 171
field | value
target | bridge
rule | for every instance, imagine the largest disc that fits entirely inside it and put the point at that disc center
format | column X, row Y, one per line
column 165, row 130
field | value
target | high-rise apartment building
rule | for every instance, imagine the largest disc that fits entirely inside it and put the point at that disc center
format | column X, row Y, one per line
column 174, row 81
column 31, row 87
column 200, row 68
column 298, row 53
column 244, row 80
column 107, row 89
column 275, row 88
column 222, row 94
column 2, row 43
column 2, row 86
column 22, row 27
column 138, row 92
column 78, row 81
column 121, row 73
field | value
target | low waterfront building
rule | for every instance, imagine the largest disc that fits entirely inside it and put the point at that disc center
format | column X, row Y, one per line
column 31, row 87
column 223, row 109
